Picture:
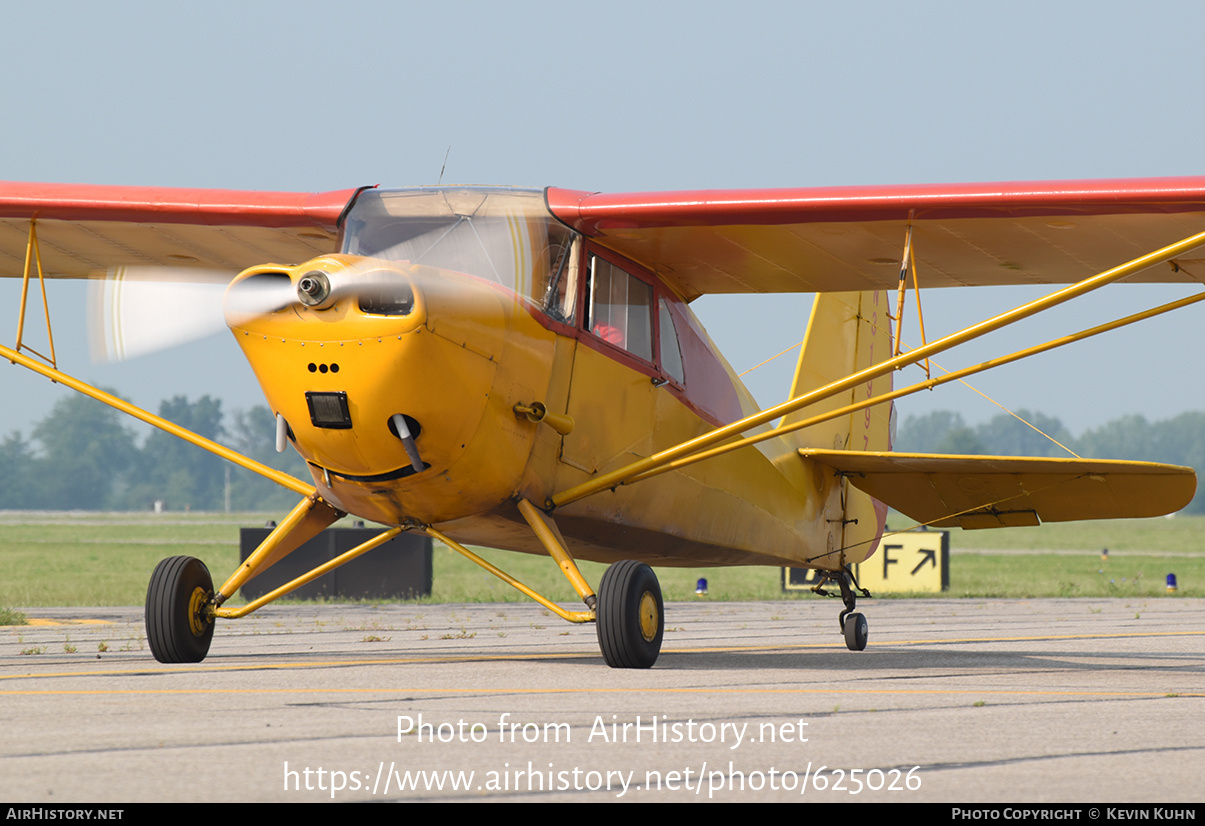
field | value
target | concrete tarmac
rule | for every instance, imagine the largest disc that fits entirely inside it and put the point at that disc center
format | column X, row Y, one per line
column 1058, row 700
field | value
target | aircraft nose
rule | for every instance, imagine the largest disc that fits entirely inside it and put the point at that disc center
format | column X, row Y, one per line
column 335, row 288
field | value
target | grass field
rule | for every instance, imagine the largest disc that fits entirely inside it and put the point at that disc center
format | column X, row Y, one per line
column 50, row 559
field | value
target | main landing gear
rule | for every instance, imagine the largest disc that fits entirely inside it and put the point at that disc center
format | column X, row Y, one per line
column 178, row 627
column 181, row 604
column 631, row 615
column 627, row 610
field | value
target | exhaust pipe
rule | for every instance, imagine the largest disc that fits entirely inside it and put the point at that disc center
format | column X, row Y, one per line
column 403, row 433
column 282, row 433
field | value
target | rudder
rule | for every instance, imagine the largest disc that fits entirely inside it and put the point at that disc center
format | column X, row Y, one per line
column 847, row 333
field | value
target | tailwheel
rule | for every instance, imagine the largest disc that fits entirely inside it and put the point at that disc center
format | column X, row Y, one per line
column 630, row 615
column 177, row 627
column 853, row 625
column 857, row 630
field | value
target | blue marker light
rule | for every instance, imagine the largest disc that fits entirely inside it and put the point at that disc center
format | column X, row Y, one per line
column 701, row 588
column 1171, row 583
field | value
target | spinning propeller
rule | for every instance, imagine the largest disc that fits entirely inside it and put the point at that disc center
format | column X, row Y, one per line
column 138, row 310
column 134, row 311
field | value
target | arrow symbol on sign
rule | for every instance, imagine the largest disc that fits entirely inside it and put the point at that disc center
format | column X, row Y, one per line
column 930, row 556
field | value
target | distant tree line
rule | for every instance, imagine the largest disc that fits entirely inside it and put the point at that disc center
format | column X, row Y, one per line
column 85, row 455
column 1177, row 441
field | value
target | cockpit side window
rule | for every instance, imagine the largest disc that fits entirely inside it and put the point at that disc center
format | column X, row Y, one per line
column 620, row 308
column 671, row 350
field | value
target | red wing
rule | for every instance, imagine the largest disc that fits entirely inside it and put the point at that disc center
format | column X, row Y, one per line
column 796, row 240
column 83, row 230
column 852, row 238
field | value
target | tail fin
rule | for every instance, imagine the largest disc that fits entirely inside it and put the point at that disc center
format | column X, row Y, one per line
column 847, row 332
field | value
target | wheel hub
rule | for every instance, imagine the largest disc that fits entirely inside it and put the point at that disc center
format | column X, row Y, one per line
column 648, row 616
column 197, row 621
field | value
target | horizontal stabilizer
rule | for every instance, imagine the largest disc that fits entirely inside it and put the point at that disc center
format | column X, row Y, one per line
column 1008, row 491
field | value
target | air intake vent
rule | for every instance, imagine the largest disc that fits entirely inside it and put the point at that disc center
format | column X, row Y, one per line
column 329, row 410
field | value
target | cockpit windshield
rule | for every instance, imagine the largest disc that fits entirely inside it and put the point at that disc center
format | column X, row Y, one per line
column 499, row 234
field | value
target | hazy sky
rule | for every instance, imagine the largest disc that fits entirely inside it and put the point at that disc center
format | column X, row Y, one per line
column 623, row 96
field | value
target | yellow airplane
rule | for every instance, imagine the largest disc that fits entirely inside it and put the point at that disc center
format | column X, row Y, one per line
column 521, row 369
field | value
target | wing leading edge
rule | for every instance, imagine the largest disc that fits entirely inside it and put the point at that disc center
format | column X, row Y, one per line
column 851, row 238
column 1008, row 491
column 783, row 240
column 85, row 230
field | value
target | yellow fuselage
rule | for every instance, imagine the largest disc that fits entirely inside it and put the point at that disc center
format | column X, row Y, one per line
column 456, row 365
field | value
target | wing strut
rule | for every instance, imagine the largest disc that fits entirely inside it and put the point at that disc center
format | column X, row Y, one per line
column 908, row 262
column 33, row 255
column 279, row 477
column 920, row 315
column 902, row 289
column 659, row 462
column 928, row 384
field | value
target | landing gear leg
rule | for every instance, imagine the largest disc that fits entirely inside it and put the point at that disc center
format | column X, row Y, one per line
column 853, row 625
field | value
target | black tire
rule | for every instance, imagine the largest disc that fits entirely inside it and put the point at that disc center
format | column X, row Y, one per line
column 857, row 630
column 176, row 626
column 630, row 615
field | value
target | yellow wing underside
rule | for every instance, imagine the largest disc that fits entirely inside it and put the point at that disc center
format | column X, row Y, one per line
column 1003, row 491
column 838, row 239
